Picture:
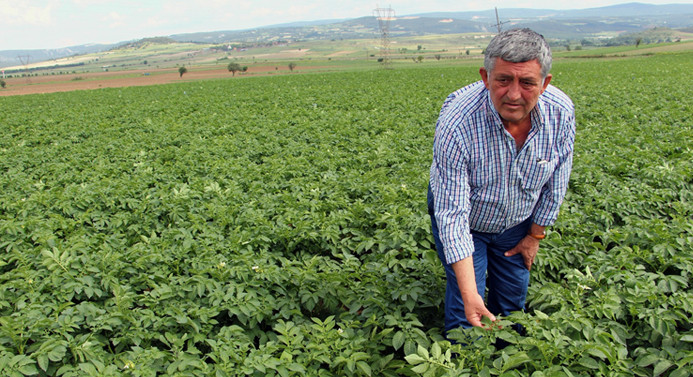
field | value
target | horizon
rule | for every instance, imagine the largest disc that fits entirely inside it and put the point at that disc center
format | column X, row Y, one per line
column 53, row 24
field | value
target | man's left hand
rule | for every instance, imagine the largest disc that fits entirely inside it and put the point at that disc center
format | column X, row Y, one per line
column 528, row 247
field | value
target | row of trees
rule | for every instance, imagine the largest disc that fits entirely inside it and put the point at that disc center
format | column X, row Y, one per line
column 233, row 68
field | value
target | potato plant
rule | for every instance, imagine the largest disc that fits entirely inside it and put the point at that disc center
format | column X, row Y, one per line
column 277, row 226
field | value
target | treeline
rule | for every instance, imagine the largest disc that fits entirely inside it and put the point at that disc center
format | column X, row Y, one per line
column 654, row 35
column 34, row 71
column 145, row 42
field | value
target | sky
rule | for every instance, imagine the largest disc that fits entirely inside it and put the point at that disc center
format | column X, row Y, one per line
column 46, row 24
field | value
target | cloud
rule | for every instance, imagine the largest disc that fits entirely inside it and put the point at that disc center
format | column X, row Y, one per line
column 20, row 13
column 155, row 22
column 115, row 20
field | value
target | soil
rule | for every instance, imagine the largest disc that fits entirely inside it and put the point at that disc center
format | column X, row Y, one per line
column 98, row 80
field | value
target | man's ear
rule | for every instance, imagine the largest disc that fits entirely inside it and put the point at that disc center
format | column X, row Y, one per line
column 484, row 76
column 547, row 80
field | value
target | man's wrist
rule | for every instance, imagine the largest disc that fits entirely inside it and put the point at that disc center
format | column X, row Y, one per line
column 537, row 232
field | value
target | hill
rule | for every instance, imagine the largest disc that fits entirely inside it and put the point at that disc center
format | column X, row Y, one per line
column 20, row 57
column 593, row 26
column 556, row 24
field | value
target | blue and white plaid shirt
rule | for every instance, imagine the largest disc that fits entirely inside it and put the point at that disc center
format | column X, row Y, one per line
column 481, row 182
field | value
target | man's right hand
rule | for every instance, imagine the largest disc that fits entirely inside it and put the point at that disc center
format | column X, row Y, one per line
column 474, row 308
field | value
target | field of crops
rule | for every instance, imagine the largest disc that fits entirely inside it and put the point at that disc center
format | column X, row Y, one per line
column 277, row 226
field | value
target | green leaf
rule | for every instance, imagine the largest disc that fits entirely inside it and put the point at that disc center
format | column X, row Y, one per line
column 589, row 362
column 414, row 359
column 681, row 372
column 57, row 353
column 297, row 368
column 421, row 350
column 597, row 352
column 28, row 370
column 647, row 360
column 435, row 351
column 282, row 371
column 420, row 369
column 364, row 367
column 89, row 369
column 516, row 360
column 42, row 361
column 398, row 340
column 661, row 367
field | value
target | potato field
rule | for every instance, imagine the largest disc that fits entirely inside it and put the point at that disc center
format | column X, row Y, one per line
column 277, row 226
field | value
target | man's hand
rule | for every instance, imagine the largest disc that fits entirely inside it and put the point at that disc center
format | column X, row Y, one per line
column 528, row 247
column 475, row 309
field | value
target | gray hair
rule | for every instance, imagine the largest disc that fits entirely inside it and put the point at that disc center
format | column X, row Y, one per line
column 518, row 46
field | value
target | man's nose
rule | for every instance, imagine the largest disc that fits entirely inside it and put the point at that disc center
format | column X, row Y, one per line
column 514, row 91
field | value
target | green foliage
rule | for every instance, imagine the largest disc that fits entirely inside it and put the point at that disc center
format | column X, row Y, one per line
column 176, row 230
column 653, row 35
column 182, row 70
column 234, row 67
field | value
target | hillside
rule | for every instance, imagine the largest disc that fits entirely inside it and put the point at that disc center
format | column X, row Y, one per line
column 554, row 24
column 594, row 26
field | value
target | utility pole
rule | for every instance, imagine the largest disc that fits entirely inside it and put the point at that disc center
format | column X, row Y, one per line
column 384, row 16
column 24, row 59
column 498, row 23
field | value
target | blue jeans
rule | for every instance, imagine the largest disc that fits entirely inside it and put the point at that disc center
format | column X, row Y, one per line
column 502, row 280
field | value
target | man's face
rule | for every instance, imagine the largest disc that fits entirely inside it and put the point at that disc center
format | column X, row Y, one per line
column 515, row 89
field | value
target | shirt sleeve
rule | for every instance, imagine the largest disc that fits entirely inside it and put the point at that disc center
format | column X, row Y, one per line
column 450, row 190
column 546, row 210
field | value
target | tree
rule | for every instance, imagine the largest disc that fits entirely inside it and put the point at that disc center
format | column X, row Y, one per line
column 234, row 67
column 3, row 84
column 637, row 42
column 182, row 70
column 292, row 65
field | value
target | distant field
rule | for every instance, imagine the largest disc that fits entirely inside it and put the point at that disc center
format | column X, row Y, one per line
column 126, row 67
column 162, row 56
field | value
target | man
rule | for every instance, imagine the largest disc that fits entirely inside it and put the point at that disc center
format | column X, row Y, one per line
column 502, row 156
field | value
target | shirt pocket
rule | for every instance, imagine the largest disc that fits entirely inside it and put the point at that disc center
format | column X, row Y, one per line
column 538, row 170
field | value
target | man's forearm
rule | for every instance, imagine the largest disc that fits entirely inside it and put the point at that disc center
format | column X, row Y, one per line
column 466, row 279
column 474, row 308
